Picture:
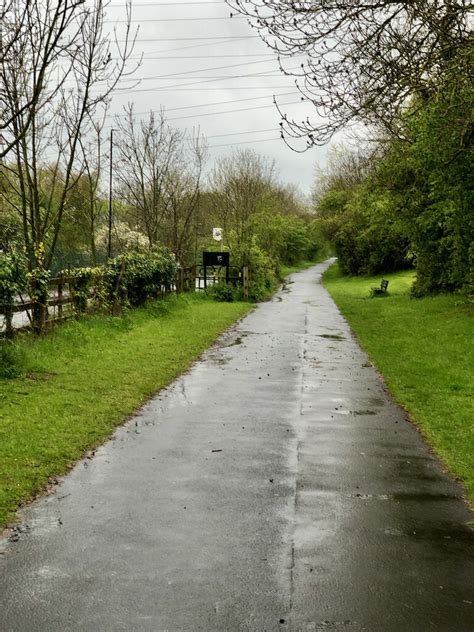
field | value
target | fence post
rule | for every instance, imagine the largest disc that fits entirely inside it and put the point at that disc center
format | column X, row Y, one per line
column 192, row 274
column 8, row 314
column 60, row 298
column 245, row 281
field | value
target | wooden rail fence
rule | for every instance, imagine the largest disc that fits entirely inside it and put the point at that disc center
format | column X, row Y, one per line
column 62, row 301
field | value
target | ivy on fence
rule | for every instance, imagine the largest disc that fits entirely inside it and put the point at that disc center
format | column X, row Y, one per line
column 128, row 280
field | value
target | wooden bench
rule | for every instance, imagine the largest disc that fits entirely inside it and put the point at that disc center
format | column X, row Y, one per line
column 378, row 291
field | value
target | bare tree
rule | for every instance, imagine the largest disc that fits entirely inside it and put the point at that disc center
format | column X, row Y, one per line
column 146, row 152
column 159, row 172
column 239, row 183
column 182, row 190
column 56, row 78
column 92, row 202
column 35, row 38
column 361, row 60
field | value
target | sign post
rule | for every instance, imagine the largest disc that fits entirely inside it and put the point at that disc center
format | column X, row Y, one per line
column 221, row 259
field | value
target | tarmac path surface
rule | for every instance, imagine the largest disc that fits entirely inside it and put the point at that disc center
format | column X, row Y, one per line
column 275, row 486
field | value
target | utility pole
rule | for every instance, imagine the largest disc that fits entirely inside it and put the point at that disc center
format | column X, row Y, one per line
column 109, row 244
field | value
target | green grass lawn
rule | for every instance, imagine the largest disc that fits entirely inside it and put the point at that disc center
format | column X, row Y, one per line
column 83, row 378
column 424, row 349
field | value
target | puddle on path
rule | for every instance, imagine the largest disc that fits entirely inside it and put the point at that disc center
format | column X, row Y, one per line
column 376, row 401
column 219, row 360
column 237, row 341
column 423, row 497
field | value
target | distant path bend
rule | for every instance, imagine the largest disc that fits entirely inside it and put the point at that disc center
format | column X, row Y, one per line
column 273, row 487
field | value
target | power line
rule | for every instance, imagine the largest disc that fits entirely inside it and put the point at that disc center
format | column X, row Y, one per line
column 175, row 89
column 245, row 142
column 253, row 131
column 197, row 116
column 207, row 56
column 187, row 107
column 208, row 79
column 162, row 4
column 258, row 107
column 191, row 72
column 147, row 20
column 181, row 48
column 203, row 105
column 181, row 39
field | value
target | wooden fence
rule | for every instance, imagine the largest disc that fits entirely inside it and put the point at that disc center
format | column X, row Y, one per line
column 63, row 302
column 60, row 304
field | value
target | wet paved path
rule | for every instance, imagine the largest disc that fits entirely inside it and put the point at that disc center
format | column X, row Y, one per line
column 274, row 487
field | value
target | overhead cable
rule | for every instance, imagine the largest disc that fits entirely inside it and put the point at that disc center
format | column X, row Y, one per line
column 191, row 72
column 203, row 105
column 181, row 39
column 147, row 20
column 245, row 142
column 258, row 75
column 162, row 4
column 258, row 107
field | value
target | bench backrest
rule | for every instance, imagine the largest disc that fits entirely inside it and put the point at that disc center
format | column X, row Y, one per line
column 384, row 285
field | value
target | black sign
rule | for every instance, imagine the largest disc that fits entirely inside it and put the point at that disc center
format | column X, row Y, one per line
column 216, row 259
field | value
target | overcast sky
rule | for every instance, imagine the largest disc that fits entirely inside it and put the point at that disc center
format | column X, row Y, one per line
column 211, row 70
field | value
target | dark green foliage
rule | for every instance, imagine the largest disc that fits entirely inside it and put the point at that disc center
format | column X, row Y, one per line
column 440, row 211
column 84, row 280
column 263, row 269
column 416, row 205
column 134, row 277
column 13, row 275
column 364, row 248
column 431, row 179
column 366, row 231
column 222, row 292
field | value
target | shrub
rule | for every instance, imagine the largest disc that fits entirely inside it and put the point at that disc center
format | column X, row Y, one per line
column 222, row 291
column 13, row 279
column 133, row 278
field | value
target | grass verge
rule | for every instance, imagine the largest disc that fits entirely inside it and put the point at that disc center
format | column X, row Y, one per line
column 81, row 380
column 423, row 347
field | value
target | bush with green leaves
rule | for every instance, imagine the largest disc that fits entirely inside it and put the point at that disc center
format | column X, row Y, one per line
column 366, row 230
column 86, row 281
column 285, row 238
column 415, row 204
column 223, row 292
column 436, row 173
column 13, row 275
column 133, row 278
column 263, row 273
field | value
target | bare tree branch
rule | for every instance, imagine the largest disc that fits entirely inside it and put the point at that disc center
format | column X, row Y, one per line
column 361, row 60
